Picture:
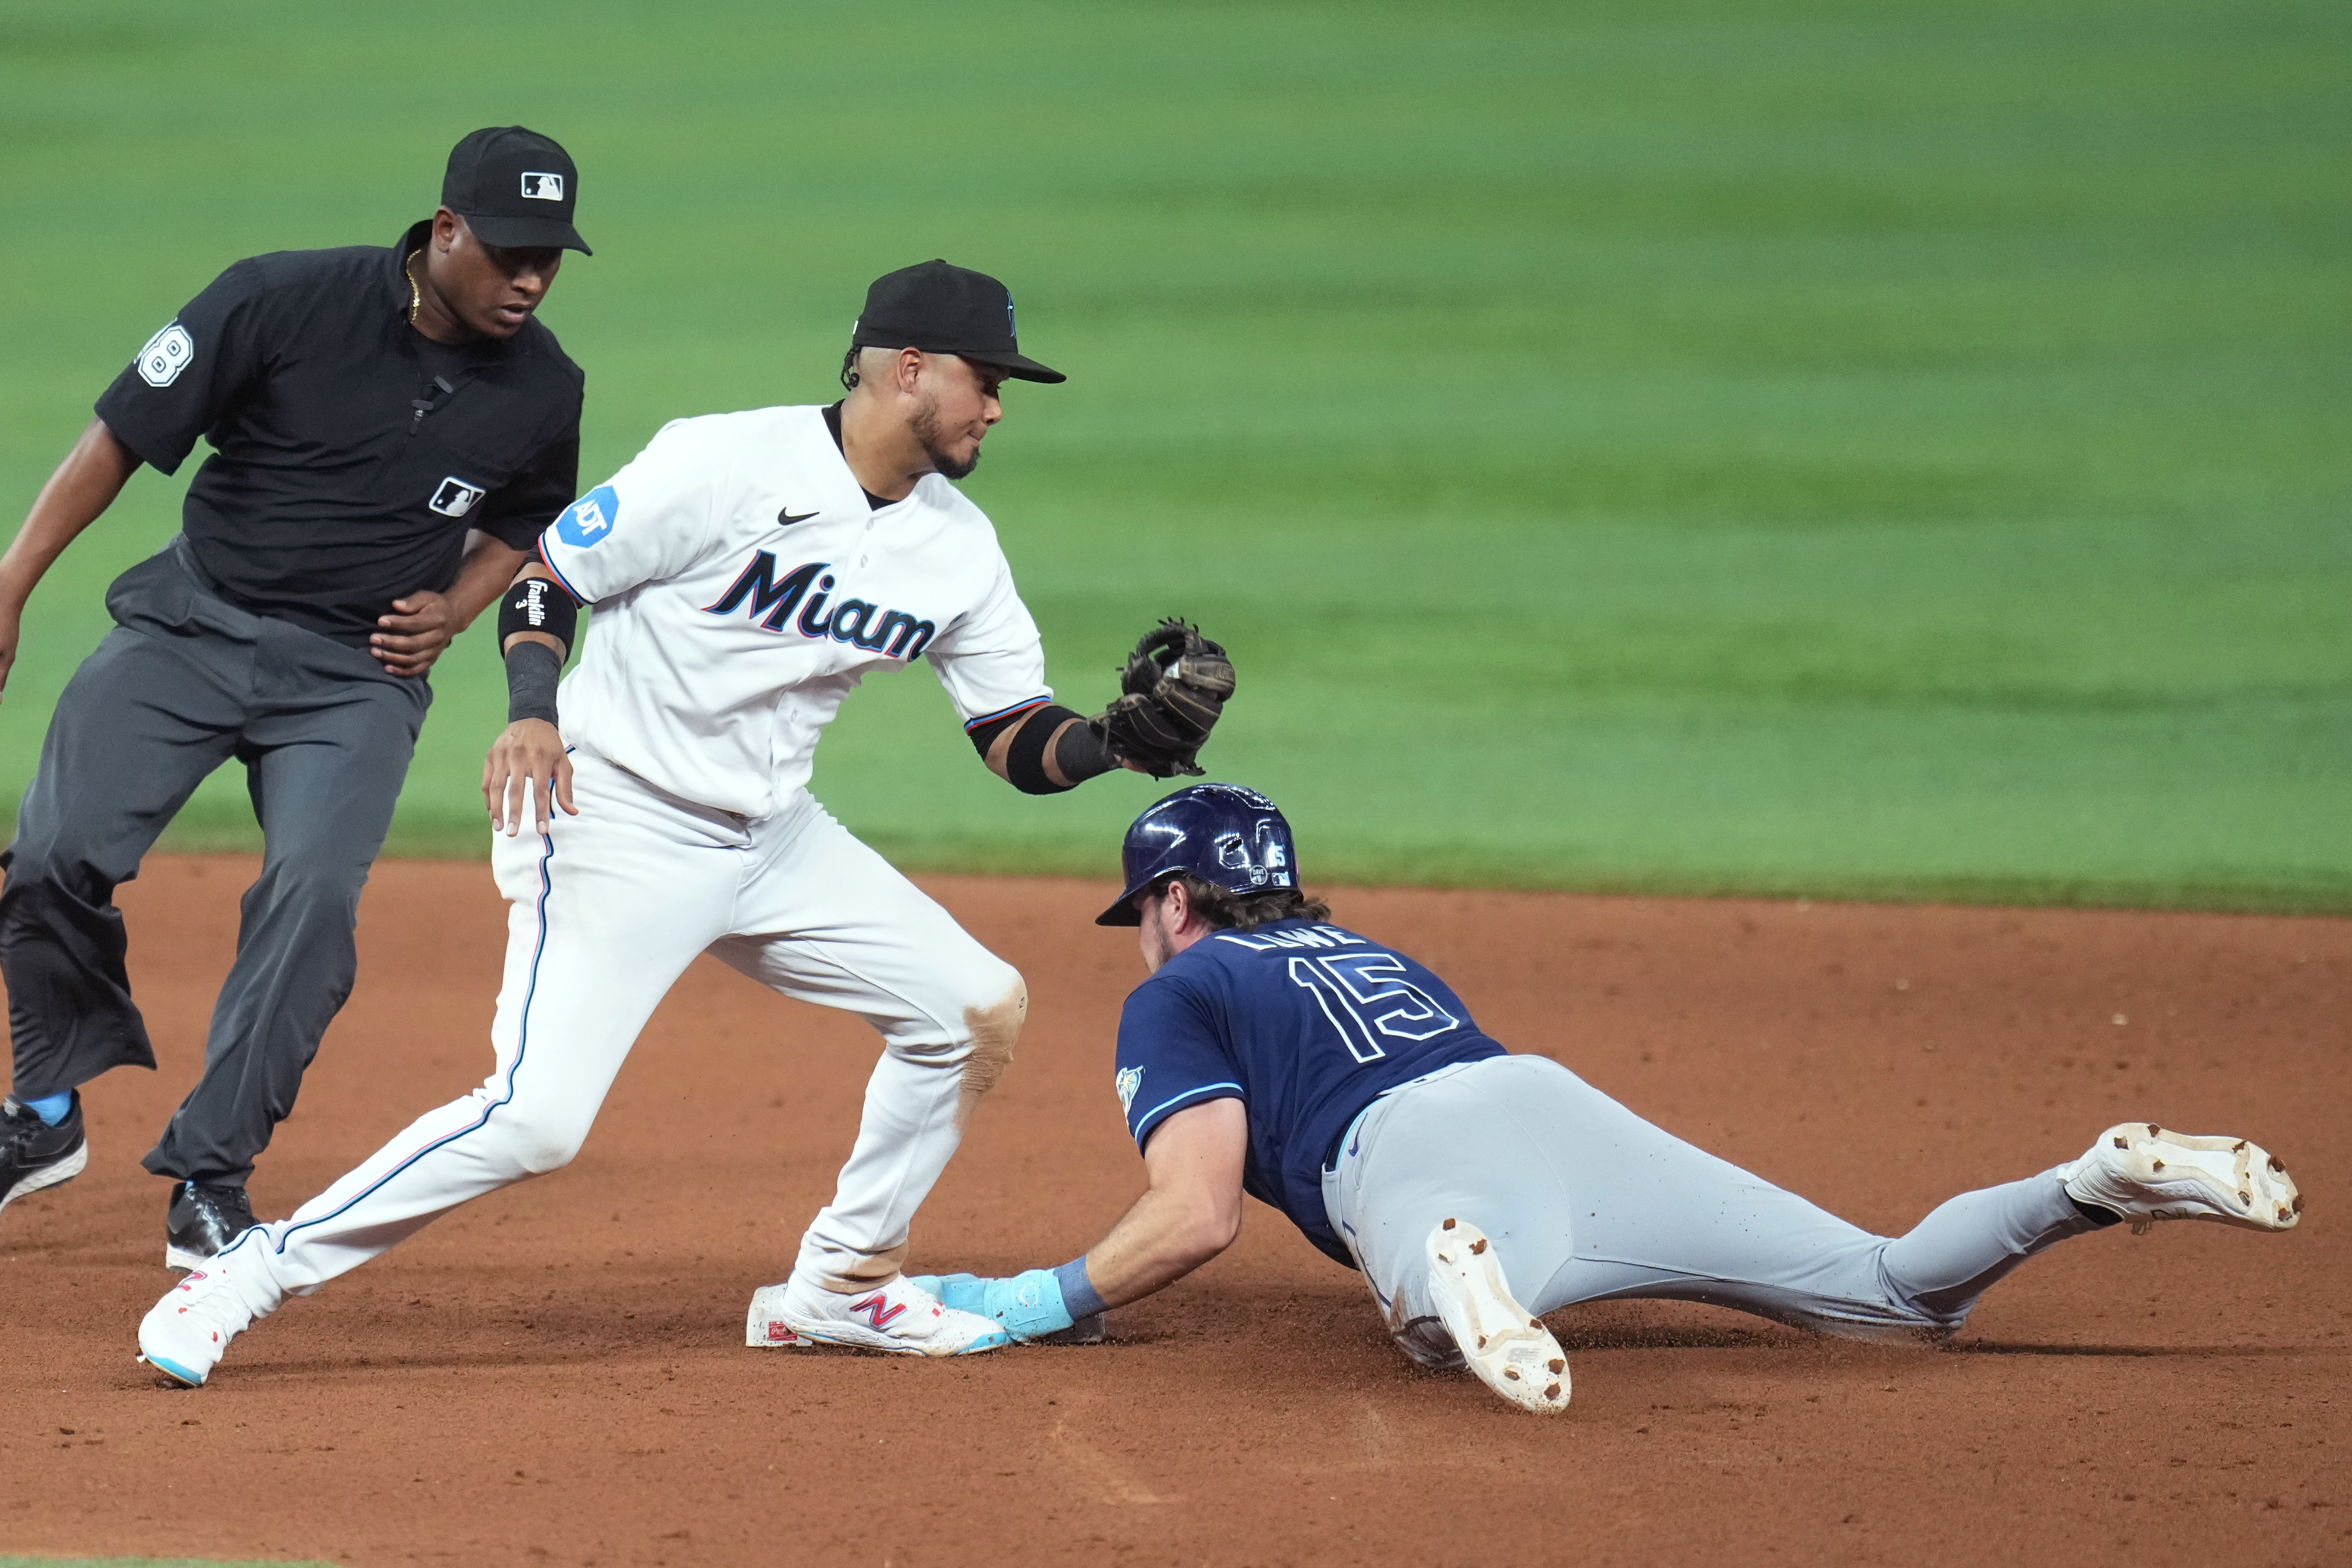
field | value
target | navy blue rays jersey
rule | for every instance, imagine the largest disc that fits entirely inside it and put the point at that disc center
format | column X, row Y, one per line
column 1305, row 1025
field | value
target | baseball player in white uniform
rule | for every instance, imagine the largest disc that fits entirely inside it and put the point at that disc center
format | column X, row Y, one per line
column 747, row 570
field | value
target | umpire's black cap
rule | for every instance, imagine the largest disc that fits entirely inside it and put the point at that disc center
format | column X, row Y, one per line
column 515, row 189
column 945, row 309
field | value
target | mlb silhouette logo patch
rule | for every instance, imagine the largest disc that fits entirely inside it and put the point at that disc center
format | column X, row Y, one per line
column 540, row 187
column 456, row 498
column 167, row 354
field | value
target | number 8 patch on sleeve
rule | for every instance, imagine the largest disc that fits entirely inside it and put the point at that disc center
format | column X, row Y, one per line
column 167, row 354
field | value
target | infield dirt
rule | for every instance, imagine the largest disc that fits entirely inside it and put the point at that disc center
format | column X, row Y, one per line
column 557, row 1374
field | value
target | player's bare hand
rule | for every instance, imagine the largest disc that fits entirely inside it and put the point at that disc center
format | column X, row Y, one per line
column 409, row 641
column 530, row 752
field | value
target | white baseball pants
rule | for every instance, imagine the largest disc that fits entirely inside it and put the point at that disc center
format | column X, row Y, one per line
column 606, row 910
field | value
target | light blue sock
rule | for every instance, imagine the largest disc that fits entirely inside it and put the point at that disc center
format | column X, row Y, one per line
column 51, row 1108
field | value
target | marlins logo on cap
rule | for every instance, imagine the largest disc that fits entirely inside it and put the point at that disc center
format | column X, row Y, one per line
column 945, row 309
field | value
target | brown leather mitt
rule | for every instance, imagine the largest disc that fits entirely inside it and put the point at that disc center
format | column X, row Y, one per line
column 1173, row 688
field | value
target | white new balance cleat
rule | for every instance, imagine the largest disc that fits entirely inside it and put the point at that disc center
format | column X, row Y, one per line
column 183, row 1335
column 895, row 1318
column 2145, row 1173
column 1507, row 1345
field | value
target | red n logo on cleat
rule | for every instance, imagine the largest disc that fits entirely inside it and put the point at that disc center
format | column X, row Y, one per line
column 878, row 1311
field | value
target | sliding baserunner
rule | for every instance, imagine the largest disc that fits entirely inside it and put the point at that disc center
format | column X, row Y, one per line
column 1273, row 1053
column 749, row 570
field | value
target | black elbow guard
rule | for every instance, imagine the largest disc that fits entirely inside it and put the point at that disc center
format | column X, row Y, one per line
column 1025, row 760
column 1080, row 755
column 538, row 604
column 983, row 736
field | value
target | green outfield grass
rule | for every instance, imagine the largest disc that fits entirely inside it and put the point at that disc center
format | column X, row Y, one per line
column 1873, row 449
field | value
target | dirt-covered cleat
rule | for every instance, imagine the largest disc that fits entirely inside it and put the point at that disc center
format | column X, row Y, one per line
column 2145, row 1173
column 895, row 1318
column 33, row 1154
column 1507, row 1345
column 184, row 1335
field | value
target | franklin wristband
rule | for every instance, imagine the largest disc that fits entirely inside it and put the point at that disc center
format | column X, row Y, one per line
column 542, row 605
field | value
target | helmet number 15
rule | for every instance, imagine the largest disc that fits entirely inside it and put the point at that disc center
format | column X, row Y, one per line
column 1365, row 995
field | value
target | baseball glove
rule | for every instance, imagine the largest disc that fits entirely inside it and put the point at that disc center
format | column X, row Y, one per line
column 1172, row 688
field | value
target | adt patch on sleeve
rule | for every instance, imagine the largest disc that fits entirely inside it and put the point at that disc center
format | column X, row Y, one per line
column 167, row 354
column 589, row 519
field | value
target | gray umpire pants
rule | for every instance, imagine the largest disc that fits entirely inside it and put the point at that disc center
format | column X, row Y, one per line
column 1584, row 1200
column 184, row 682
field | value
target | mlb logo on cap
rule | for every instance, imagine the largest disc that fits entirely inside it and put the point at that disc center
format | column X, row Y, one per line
column 515, row 188
column 456, row 498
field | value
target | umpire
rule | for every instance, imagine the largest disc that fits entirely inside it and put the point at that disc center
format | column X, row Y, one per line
column 391, row 429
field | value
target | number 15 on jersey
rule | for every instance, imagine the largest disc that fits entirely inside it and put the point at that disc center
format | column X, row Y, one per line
column 1364, row 997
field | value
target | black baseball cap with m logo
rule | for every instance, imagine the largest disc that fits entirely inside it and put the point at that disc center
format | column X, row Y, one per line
column 942, row 309
column 515, row 189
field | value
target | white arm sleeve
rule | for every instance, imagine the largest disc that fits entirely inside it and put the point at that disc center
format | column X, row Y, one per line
column 991, row 660
column 647, row 522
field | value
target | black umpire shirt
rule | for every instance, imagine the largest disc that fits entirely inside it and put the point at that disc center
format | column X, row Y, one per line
column 351, row 453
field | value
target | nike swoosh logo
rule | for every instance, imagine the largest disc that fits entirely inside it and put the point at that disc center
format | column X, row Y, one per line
column 787, row 517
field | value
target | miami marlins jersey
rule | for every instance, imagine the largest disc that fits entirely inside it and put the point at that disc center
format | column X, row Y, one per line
column 1304, row 1024
column 743, row 586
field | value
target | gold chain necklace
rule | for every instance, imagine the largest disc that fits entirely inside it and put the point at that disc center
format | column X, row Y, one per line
column 415, row 299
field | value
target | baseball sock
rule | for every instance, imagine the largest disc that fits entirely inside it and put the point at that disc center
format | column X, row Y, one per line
column 1949, row 1258
column 51, row 1108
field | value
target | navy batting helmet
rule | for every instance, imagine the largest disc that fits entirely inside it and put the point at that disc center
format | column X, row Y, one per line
column 1227, row 835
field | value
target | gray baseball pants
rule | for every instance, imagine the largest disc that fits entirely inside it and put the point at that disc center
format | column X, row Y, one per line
column 1584, row 1200
column 183, row 683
